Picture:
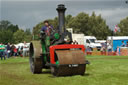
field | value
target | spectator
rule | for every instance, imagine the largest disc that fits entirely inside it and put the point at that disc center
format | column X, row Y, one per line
column 18, row 51
column 25, row 49
column 109, row 47
column 117, row 51
column 21, row 51
column 2, row 51
column 12, row 50
column 8, row 50
column 123, row 44
column 15, row 52
column 88, row 50
column 103, row 51
column 105, row 45
column 127, row 44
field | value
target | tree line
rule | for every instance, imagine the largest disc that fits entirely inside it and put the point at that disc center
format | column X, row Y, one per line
column 10, row 33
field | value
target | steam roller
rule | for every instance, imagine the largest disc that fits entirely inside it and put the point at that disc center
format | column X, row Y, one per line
column 55, row 51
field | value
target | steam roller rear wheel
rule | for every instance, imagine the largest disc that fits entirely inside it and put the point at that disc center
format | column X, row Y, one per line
column 35, row 57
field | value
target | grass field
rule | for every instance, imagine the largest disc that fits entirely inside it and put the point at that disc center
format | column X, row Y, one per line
column 103, row 70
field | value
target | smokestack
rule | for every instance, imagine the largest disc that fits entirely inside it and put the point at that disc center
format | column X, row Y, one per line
column 61, row 14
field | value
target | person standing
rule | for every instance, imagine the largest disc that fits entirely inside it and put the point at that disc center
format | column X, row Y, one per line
column 25, row 49
column 47, row 28
column 2, row 51
column 127, row 44
column 8, row 50
column 88, row 51
column 12, row 50
column 123, row 44
column 45, row 34
column 15, row 52
column 21, row 51
column 117, row 51
column 109, row 48
column 102, row 50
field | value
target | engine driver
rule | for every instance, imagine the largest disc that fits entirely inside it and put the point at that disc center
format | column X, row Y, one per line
column 47, row 28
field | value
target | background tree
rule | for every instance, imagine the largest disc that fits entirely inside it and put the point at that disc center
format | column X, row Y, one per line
column 98, row 27
column 6, row 31
column 13, row 28
column 123, row 27
column 4, row 24
column 28, row 35
column 68, row 19
column 6, row 36
column 19, row 36
column 11, row 33
column 90, row 25
column 79, row 23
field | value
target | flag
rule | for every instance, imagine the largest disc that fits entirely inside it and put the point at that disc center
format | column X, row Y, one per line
column 116, row 28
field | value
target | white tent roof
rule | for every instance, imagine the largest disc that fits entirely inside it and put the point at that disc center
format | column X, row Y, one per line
column 117, row 37
column 21, row 44
column 89, row 37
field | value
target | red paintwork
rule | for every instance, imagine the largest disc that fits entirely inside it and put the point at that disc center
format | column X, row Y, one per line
column 66, row 46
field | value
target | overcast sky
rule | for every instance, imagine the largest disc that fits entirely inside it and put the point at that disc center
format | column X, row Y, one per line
column 28, row 13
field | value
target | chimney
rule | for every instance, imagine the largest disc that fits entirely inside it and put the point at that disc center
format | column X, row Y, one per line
column 61, row 15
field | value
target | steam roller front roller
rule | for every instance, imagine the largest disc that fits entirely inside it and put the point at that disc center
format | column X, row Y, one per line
column 35, row 58
column 69, row 61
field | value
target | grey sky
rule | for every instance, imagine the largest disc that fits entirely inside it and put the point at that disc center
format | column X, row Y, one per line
column 28, row 13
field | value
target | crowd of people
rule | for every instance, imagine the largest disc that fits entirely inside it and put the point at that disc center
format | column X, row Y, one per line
column 106, row 48
column 7, row 51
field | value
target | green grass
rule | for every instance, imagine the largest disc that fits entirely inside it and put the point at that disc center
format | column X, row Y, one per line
column 103, row 70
